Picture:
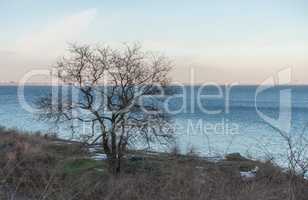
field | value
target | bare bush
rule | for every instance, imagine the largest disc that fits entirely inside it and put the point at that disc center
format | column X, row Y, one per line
column 296, row 157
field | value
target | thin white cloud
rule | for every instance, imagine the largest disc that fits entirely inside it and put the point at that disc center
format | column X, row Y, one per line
column 53, row 38
column 38, row 49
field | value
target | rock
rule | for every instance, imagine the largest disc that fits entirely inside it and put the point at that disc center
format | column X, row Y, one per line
column 235, row 157
column 136, row 158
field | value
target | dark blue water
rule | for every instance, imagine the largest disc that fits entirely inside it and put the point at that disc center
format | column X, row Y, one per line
column 233, row 124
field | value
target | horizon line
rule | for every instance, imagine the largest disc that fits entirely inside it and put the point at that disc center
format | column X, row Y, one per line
column 12, row 83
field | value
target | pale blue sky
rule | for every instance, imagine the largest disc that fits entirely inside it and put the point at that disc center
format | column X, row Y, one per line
column 224, row 41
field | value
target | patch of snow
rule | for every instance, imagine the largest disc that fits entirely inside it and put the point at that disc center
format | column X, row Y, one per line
column 92, row 150
column 250, row 174
column 99, row 156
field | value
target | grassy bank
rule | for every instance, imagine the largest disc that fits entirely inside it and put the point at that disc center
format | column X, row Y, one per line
column 40, row 167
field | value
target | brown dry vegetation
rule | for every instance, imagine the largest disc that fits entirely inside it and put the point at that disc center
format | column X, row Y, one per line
column 37, row 167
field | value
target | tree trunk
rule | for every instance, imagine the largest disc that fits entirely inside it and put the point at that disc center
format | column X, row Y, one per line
column 111, row 155
column 114, row 164
column 114, row 154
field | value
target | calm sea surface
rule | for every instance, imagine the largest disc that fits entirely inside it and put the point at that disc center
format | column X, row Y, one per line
column 232, row 126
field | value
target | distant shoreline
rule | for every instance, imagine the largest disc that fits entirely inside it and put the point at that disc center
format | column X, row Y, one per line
column 172, row 84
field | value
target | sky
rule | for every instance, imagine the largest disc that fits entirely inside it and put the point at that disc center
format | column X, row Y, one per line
column 223, row 41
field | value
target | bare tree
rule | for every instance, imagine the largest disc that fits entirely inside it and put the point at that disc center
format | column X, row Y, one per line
column 119, row 94
column 296, row 157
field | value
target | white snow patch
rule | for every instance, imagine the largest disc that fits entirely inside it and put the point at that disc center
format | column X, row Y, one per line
column 250, row 174
column 99, row 156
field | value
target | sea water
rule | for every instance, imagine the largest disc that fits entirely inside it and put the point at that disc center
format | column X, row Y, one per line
column 225, row 122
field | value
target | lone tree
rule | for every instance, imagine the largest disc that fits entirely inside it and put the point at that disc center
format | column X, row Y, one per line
column 118, row 93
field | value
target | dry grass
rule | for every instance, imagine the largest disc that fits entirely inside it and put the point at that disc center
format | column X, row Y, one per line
column 36, row 167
